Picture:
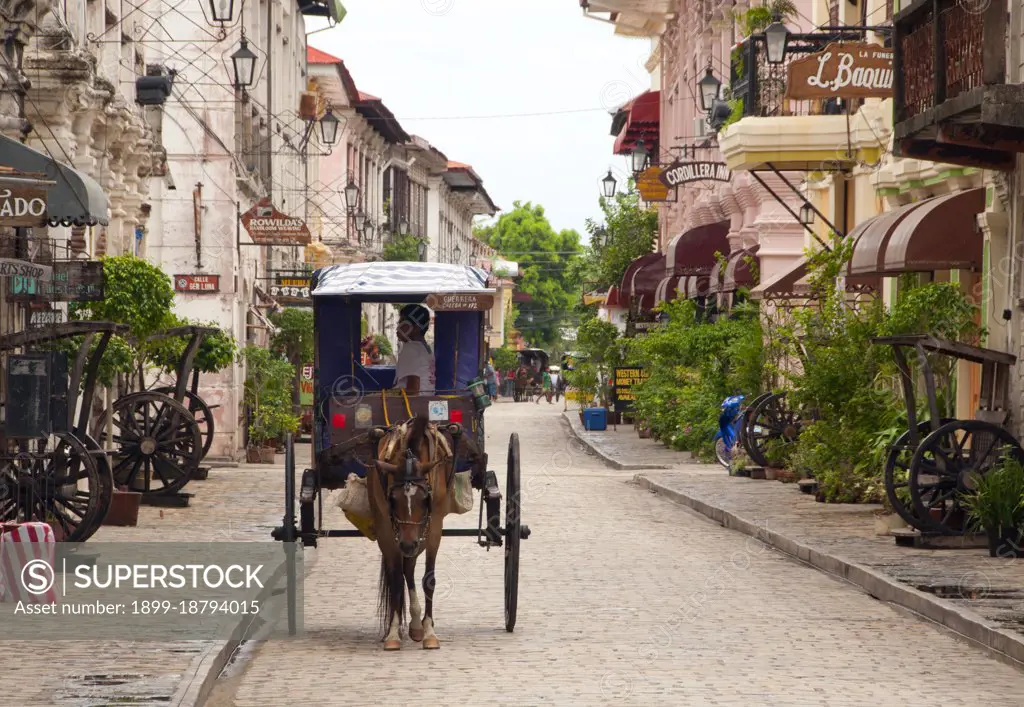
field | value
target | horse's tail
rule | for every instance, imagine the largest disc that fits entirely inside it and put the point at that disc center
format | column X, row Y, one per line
column 391, row 593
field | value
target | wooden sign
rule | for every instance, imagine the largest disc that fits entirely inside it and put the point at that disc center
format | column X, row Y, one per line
column 854, row 70
column 684, row 172
column 293, row 289
column 460, row 303
column 197, row 284
column 623, row 382
column 69, row 281
column 650, row 186
column 45, row 317
column 268, row 226
column 10, row 267
column 22, row 206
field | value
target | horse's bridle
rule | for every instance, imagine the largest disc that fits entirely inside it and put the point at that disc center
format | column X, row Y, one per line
column 410, row 478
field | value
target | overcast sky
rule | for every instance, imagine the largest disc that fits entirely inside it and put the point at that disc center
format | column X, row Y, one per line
column 456, row 58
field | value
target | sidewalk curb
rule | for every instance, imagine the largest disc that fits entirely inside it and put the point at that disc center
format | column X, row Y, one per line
column 203, row 674
column 577, row 430
column 962, row 621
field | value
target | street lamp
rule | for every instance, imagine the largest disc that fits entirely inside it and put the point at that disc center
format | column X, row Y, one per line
column 709, row 86
column 421, row 248
column 608, row 184
column 244, row 63
column 457, row 254
column 639, row 155
column 329, row 128
column 222, row 11
column 360, row 219
column 368, row 229
column 806, row 215
column 351, row 195
column 776, row 37
column 403, row 228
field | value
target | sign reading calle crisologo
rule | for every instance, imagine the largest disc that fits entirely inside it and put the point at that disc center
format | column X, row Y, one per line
column 22, row 206
column 683, row 172
column 268, row 226
column 858, row 70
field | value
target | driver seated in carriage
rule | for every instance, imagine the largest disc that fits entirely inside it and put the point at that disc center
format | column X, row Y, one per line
column 416, row 370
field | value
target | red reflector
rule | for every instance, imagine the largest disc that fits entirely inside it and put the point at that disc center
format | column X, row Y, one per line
column 339, row 420
column 455, row 416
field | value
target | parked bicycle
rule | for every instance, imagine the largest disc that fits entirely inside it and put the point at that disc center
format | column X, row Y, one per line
column 729, row 421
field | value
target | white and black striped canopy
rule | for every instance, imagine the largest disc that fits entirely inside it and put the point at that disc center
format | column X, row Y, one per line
column 380, row 279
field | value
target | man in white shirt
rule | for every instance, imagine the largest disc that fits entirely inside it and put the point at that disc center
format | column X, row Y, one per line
column 415, row 370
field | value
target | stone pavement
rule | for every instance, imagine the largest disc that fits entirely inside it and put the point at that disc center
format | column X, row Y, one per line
column 624, row 599
column 965, row 589
column 232, row 505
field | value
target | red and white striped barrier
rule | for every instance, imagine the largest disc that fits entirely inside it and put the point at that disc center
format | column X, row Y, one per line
column 20, row 545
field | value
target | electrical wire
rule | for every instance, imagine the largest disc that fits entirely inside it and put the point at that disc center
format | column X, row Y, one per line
column 511, row 115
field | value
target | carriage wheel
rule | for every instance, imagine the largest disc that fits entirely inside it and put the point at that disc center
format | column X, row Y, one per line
column 62, row 486
column 897, row 472
column 159, row 443
column 106, row 473
column 745, row 421
column 201, row 411
column 513, row 526
column 771, row 419
column 947, row 466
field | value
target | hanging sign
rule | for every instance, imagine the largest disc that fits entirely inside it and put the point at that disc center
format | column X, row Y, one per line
column 650, row 186
column 684, row 172
column 623, row 382
column 291, row 289
column 857, row 70
column 22, row 268
column 306, row 386
column 197, row 283
column 268, row 226
column 460, row 302
column 22, row 206
column 67, row 281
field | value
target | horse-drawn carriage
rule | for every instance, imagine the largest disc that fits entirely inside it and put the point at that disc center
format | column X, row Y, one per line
column 364, row 426
column 535, row 361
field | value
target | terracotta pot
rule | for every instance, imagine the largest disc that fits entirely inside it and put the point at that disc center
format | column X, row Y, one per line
column 771, row 473
column 785, row 476
column 644, row 432
column 124, row 509
column 260, row 455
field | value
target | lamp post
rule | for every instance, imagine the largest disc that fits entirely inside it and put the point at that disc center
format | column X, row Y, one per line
column 608, row 185
column 244, row 63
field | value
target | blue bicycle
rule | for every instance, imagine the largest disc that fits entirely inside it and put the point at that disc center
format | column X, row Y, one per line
column 728, row 434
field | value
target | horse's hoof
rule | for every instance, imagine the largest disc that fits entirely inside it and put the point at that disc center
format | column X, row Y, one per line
column 392, row 645
column 431, row 643
column 416, row 634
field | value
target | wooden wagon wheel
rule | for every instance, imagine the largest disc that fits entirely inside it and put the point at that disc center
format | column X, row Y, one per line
column 770, row 420
column 201, row 411
column 513, row 527
column 62, row 486
column 897, row 472
column 947, row 466
column 160, row 446
column 745, row 421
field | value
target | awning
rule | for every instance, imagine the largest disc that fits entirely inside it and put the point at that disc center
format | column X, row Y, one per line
column 612, row 300
column 738, row 270
column 645, row 283
column 626, row 287
column 696, row 286
column 668, row 288
column 637, row 120
column 940, row 233
column 789, row 282
column 74, row 200
column 693, row 252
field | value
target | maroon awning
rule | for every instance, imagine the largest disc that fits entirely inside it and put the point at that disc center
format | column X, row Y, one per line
column 693, row 252
column 696, row 286
column 739, row 270
column 626, row 287
column 637, row 120
column 668, row 288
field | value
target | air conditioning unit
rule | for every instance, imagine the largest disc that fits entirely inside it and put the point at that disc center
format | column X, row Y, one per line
column 700, row 126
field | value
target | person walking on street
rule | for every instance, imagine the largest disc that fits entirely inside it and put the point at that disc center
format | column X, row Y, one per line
column 545, row 387
column 491, row 378
column 556, row 382
column 510, row 382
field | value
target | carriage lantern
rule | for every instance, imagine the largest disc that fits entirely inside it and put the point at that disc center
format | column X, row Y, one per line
column 481, row 399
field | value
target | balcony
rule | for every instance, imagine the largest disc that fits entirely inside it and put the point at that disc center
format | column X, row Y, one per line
column 951, row 100
column 766, row 128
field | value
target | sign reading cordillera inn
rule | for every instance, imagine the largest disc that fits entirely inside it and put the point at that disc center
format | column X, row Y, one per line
column 683, row 172
column 268, row 226
column 856, row 70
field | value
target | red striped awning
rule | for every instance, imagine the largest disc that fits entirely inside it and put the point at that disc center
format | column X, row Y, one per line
column 637, row 120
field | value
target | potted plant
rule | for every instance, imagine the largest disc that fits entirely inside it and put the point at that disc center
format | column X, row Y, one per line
column 124, row 508
column 268, row 398
column 997, row 507
column 778, row 452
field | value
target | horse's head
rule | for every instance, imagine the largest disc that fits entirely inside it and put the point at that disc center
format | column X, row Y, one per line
column 405, row 465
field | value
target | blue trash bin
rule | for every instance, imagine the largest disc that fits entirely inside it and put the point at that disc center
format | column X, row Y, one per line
column 595, row 419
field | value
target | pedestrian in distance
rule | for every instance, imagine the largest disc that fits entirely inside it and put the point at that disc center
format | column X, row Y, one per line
column 545, row 387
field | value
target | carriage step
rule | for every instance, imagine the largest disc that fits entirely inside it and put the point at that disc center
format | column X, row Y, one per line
column 167, row 500
column 906, row 537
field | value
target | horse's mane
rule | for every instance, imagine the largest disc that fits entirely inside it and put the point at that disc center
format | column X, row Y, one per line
column 417, row 433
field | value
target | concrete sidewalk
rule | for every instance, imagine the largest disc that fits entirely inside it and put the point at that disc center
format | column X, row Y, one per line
column 233, row 505
column 965, row 590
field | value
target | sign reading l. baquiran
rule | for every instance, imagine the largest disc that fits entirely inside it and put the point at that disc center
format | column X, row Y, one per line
column 268, row 226
column 683, row 172
column 853, row 70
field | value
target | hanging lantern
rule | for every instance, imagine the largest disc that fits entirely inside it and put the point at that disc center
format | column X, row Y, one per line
column 351, row 195
column 329, row 128
column 709, row 86
column 776, row 38
column 639, row 156
column 608, row 185
column 222, row 11
column 244, row 63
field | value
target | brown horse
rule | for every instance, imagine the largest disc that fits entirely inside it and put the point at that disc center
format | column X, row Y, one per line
column 409, row 486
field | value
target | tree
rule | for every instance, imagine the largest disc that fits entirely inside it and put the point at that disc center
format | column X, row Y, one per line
column 294, row 341
column 403, row 248
column 545, row 258
column 505, row 358
column 631, row 231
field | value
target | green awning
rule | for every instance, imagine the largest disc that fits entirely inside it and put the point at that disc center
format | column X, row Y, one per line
column 323, row 8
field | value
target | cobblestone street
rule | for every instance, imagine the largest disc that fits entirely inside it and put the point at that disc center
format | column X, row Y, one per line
column 625, row 598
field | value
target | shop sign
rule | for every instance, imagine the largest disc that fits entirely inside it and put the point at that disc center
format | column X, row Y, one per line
column 291, row 289
column 70, row 281
column 679, row 173
column 22, row 206
column 460, row 303
column 854, row 70
column 306, row 386
column 650, row 186
column 197, row 283
column 624, row 380
column 45, row 317
column 24, row 269
column 268, row 226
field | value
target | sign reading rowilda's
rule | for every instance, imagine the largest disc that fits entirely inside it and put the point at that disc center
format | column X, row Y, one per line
column 855, row 70
column 268, row 226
